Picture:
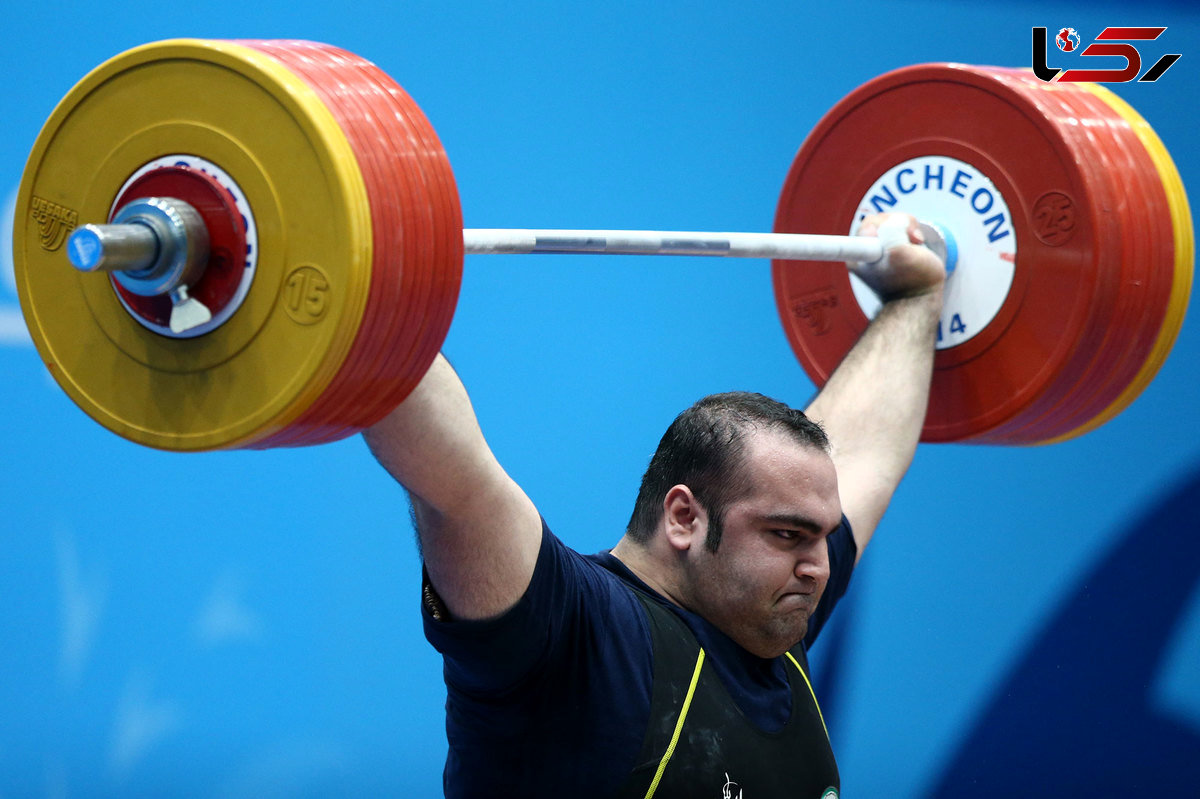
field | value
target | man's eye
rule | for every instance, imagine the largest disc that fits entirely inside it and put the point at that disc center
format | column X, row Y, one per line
column 788, row 535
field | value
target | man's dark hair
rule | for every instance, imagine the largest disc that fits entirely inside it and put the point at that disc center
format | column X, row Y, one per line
column 703, row 449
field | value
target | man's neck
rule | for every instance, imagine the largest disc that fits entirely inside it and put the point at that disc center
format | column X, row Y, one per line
column 646, row 566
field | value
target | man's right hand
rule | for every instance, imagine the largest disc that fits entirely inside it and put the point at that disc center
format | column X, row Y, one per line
column 908, row 268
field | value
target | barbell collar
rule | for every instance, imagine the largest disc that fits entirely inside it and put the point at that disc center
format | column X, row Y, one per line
column 153, row 246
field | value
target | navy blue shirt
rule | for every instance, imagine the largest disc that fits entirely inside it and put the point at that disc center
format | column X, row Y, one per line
column 553, row 697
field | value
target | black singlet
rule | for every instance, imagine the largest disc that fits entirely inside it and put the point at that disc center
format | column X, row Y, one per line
column 698, row 743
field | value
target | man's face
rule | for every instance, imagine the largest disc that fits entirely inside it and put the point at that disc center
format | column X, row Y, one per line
column 767, row 575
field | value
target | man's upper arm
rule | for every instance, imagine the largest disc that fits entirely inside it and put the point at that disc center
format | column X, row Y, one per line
column 480, row 533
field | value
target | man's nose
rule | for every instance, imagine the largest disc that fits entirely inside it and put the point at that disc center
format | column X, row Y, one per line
column 814, row 565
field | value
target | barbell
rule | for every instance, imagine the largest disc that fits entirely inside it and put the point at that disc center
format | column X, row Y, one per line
column 268, row 244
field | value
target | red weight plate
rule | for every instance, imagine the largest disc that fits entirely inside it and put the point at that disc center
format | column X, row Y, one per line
column 1130, row 327
column 317, row 422
column 392, row 321
column 950, row 111
column 1148, row 265
column 1081, row 368
column 226, row 264
column 448, row 221
column 444, row 250
column 1179, row 245
column 1143, row 292
column 440, row 291
column 405, row 320
column 326, row 419
column 434, row 198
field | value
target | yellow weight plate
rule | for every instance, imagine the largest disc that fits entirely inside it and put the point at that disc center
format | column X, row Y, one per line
column 1181, row 285
column 265, row 127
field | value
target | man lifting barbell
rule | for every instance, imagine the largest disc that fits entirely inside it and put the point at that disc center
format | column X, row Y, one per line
column 335, row 244
column 676, row 662
column 280, row 245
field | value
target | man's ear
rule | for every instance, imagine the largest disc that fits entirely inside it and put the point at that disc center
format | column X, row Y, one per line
column 684, row 517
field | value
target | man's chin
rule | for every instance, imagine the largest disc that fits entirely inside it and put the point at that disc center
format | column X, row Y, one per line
column 783, row 641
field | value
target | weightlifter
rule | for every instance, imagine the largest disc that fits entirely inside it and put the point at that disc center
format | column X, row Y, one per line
column 673, row 665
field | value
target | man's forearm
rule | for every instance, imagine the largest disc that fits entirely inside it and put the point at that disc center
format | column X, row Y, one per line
column 431, row 441
column 877, row 397
column 873, row 405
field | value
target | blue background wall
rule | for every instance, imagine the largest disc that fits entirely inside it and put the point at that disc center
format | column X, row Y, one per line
column 239, row 624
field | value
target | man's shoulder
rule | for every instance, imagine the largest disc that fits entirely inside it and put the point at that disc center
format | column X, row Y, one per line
column 600, row 574
column 570, row 597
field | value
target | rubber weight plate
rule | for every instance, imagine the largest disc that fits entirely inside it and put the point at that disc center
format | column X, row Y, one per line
column 1182, row 245
column 417, row 235
column 268, row 131
column 1144, row 259
column 1120, row 262
column 960, row 148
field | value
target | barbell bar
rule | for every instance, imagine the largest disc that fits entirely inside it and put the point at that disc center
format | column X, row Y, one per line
column 158, row 246
column 792, row 246
column 337, row 244
column 135, row 247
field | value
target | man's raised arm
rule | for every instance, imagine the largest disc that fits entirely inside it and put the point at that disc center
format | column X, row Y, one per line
column 873, row 406
column 479, row 532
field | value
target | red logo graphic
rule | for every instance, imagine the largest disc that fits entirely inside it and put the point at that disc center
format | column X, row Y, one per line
column 1067, row 39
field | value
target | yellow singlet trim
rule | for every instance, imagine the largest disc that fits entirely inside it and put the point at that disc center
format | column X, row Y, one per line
column 662, row 766
column 811, row 692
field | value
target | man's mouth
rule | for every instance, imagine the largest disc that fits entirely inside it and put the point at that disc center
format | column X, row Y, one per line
column 796, row 601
